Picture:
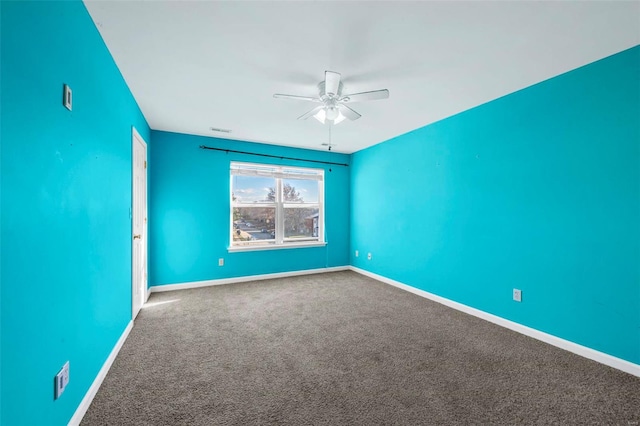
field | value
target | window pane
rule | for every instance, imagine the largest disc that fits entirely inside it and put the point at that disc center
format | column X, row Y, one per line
column 300, row 191
column 254, row 223
column 250, row 189
column 300, row 222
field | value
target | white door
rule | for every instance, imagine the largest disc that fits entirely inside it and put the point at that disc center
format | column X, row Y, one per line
column 139, row 225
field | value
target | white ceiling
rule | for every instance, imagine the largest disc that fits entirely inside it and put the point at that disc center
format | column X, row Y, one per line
column 196, row 65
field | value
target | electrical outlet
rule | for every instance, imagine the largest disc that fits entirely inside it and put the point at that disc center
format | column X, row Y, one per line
column 517, row 295
column 61, row 380
column 368, row 256
column 221, row 262
column 357, row 254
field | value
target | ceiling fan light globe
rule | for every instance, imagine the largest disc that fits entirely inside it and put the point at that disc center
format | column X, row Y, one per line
column 339, row 118
column 320, row 116
column 332, row 113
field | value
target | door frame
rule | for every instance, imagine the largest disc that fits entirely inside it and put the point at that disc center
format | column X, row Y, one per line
column 142, row 291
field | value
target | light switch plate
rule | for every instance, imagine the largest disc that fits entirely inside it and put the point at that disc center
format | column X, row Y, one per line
column 67, row 98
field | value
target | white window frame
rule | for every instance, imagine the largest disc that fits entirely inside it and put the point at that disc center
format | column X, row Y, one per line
column 279, row 173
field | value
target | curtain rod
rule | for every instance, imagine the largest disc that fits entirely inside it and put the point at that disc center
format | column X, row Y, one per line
column 273, row 156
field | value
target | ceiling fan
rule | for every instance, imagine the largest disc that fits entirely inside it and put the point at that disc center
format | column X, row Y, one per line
column 333, row 102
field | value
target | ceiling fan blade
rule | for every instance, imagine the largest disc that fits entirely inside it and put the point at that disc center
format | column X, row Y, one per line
column 348, row 112
column 310, row 113
column 366, row 96
column 331, row 82
column 299, row 98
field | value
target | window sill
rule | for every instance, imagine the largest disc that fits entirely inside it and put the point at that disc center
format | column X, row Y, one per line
column 276, row 247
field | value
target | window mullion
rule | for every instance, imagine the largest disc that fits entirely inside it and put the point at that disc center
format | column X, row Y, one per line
column 321, row 210
column 279, row 212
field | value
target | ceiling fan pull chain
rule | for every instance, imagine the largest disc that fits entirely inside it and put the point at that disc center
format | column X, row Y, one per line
column 330, row 142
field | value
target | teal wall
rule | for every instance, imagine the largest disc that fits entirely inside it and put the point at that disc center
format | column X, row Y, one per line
column 538, row 190
column 66, row 195
column 189, row 211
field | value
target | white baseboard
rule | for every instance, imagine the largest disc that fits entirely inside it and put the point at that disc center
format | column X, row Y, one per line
column 91, row 393
column 601, row 357
column 222, row 281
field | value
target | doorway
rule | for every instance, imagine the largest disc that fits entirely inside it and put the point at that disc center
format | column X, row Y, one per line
column 139, row 224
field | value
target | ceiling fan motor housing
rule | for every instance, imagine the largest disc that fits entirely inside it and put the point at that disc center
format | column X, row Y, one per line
column 324, row 96
column 330, row 100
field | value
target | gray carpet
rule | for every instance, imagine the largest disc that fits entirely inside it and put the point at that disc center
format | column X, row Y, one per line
column 343, row 349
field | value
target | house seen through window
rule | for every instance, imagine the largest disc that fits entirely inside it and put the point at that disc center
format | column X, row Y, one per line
column 276, row 205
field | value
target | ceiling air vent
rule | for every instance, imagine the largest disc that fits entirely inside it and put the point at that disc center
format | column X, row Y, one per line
column 215, row 129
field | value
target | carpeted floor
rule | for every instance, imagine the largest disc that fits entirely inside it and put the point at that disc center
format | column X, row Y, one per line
column 343, row 349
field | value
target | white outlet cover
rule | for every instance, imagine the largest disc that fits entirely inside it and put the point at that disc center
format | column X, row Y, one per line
column 517, row 295
column 369, row 256
column 62, row 380
column 221, row 262
column 357, row 254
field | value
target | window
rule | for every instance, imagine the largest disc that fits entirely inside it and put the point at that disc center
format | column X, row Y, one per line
column 276, row 206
